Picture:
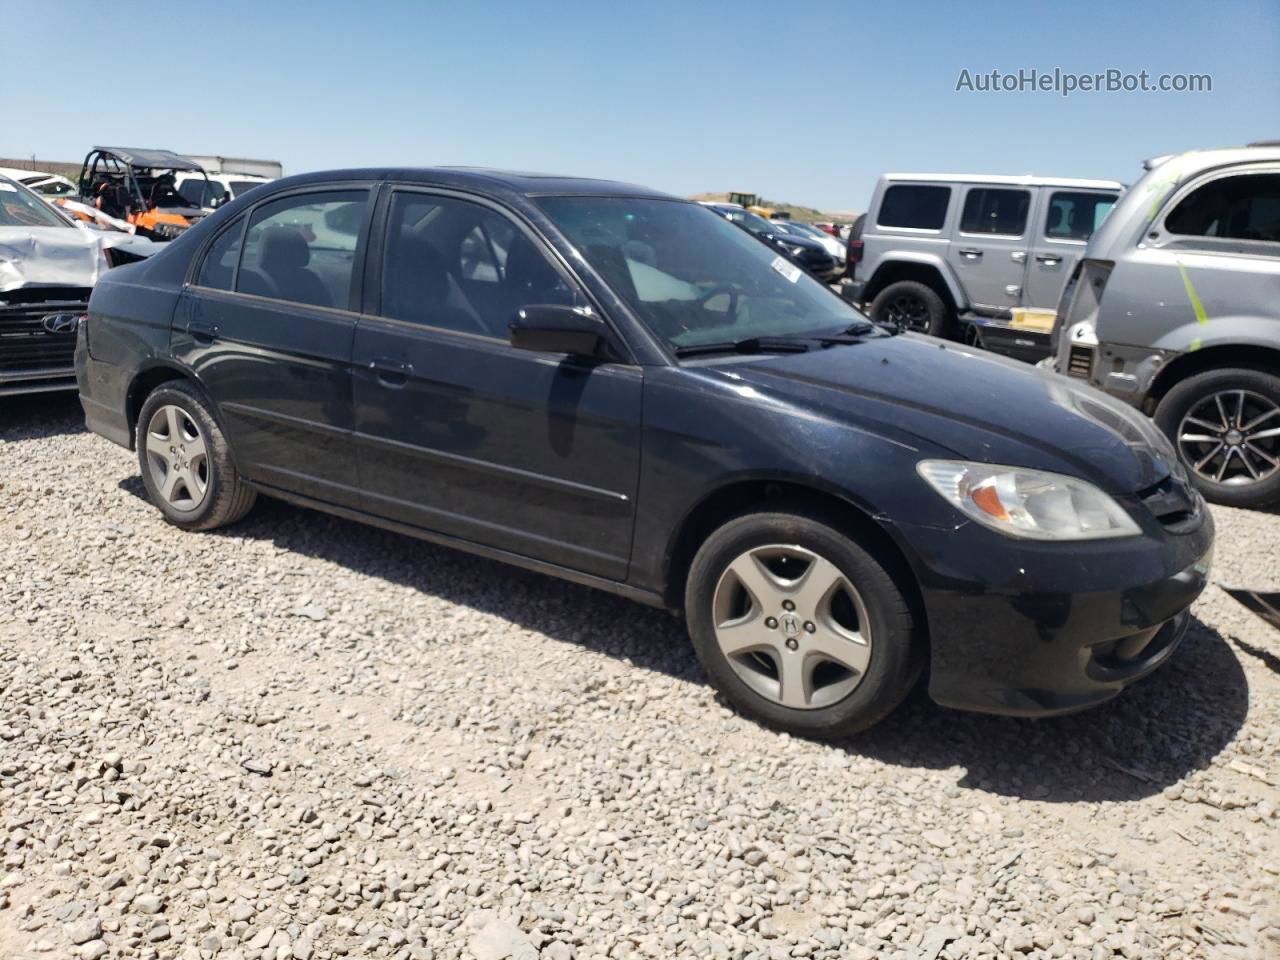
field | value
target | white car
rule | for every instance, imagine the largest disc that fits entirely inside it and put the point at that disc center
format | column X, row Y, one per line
column 221, row 187
column 49, row 186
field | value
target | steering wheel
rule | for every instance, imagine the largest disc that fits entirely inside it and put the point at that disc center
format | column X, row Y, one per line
column 730, row 288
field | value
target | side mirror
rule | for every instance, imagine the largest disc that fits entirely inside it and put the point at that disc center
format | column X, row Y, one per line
column 554, row 328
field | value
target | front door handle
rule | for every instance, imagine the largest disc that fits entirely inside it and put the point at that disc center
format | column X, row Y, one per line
column 202, row 332
column 970, row 252
column 391, row 373
column 1048, row 258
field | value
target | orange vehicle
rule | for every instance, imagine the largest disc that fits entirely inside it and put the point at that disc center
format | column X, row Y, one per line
column 137, row 186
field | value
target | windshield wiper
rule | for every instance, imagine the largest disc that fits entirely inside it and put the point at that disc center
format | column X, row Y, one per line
column 747, row 345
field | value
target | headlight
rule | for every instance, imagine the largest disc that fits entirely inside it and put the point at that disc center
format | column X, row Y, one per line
column 793, row 248
column 1030, row 504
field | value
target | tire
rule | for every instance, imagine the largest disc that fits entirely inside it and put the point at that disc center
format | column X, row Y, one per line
column 1249, row 396
column 835, row 701
column 912, row 305
column 206, row 491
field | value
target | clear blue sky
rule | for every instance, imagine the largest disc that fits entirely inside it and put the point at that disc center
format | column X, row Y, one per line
column 801, row 102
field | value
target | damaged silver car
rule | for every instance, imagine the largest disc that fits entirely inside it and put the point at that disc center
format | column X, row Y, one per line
column 1175, row 309
column 48, row 265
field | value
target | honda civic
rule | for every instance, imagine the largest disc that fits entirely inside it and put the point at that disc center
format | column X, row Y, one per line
column 623, row 389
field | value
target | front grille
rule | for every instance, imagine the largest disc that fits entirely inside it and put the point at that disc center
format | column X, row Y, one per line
column 1080, row 362
column 28, row 346
column 1171, row 502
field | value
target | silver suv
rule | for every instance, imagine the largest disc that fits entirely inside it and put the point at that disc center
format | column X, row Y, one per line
column 983, row 257
column 1175, row 308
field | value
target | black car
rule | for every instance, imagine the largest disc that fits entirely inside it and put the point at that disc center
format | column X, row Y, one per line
column 801, row 250
column 620, row 388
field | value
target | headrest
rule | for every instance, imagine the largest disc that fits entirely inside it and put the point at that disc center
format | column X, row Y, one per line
column 284, row 248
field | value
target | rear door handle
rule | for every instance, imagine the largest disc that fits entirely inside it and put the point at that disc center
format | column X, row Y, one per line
column 969, row 252
column 202, row 332
column 391, row 373
column 1049, row 258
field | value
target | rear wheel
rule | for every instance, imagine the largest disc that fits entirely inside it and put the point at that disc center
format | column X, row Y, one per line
column 911, row 305
column 1225, row 425
column 799, row 626
column 186, row 466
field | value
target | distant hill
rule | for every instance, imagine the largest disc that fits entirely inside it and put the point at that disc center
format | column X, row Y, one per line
column 798, row 212
column 70, row 170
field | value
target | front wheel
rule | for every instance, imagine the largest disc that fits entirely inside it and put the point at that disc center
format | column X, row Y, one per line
column 186, row 466
column 1225, row 425
column 799, row 626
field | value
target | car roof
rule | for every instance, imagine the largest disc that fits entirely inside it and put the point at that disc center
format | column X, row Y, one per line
column 165, row 159
column 1193, row 161
column 17, row 173
column 1025, row 180
column 482, row 178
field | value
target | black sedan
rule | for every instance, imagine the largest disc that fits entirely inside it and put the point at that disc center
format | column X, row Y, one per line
column 803, row 251
column 617, row 387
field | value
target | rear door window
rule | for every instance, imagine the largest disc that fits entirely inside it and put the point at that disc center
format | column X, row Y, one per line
column 1074, row 216
column 219, row 266
column 303, row 248
column 1243, row 207
column 994, row 210
column 914, row 207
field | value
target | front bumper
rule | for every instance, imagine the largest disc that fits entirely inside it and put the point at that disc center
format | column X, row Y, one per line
column 1036, row 629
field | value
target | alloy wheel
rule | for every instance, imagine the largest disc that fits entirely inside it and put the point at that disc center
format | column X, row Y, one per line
column 792, row 626
column 908, row 312
column 178, row 458
column 1232, row 437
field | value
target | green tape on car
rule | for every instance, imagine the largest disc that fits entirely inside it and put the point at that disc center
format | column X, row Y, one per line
column 1201, row 317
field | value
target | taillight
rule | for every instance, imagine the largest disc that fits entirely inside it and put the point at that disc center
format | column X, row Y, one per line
column 855, row 251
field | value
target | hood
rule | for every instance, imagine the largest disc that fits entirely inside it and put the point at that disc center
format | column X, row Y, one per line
column 60, row 256
column 977, row 405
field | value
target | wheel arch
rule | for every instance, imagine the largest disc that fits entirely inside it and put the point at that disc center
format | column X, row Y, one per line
column 144, row 382
column 780, row 494
column 1185, row 365
column 929, row 271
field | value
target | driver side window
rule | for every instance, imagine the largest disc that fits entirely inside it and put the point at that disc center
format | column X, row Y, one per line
column 461, row 266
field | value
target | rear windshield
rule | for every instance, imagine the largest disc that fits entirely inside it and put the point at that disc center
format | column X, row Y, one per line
column 914, row 207
column 19, row 207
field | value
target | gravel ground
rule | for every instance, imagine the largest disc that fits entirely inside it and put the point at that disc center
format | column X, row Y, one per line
column 303, row 738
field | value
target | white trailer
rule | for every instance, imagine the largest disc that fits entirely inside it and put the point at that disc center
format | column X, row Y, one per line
column 269, row 169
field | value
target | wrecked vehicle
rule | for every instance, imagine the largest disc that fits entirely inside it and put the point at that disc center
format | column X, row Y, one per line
column 48, row 265
column 138, row 187
column 1174, row 309
column 50, row 186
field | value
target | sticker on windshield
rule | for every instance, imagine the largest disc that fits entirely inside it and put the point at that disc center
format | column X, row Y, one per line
column 8, row 188
column 786, row 268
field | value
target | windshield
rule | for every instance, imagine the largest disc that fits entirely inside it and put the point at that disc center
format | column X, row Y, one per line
column 19, row 207
column 49, row 186
column 692, row 277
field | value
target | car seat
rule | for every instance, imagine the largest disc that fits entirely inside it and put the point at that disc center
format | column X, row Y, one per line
column 282, row 261
column 417, row 287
